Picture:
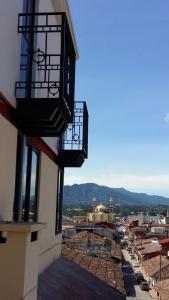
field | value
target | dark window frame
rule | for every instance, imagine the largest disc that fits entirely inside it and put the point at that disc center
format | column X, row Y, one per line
column 19, row 202
column 31, row 149
column 28, row 42
column 59, row 201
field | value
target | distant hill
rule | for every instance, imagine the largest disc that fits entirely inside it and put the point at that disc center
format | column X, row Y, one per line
column 83, row 193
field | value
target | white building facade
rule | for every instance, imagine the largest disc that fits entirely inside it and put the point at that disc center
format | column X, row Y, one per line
column 43, row 130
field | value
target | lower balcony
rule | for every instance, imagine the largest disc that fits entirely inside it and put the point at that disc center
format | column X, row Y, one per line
column 74, row 146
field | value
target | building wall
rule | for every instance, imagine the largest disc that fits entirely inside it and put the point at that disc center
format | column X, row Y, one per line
column 138, row 217
column 47, row 248
column 111, row 217
column 158, row 229
column 99, row 247
column 10, row 47
column 8, row 144
column 49, row 243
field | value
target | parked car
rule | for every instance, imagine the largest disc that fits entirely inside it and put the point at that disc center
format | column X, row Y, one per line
column 137, row 271
column 129, row 248
column 144, row 286
column 133, row 259
column 135, row 264
column 139, row 278
column 125, row 265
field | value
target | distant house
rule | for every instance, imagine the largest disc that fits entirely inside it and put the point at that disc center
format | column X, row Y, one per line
column 165, row 246
column 162, row 289
column 155, row 269
column 143, row 218
column 139, row 232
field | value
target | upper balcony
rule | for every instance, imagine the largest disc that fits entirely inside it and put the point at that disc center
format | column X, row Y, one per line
column 45, row 92
column 74, row 146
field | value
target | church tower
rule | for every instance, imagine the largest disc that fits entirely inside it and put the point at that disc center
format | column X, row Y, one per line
column 94, row 203
column 110, row 205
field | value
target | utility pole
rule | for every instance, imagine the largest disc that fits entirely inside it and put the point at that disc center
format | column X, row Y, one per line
column 160, row 261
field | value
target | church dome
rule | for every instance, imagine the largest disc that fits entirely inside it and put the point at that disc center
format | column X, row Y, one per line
column 101, row 208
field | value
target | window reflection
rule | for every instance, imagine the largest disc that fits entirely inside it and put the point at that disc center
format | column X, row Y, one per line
column 32, row 203
column 24, row 182
column 29, row 185
column 58, row 226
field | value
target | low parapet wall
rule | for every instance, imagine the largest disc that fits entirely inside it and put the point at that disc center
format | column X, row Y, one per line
column 95, row 247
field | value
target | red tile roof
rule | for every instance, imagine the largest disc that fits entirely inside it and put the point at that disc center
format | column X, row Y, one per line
column 66, row 280
column 106, row 270
column 142, row 242
column 164, row 241
column 152, row 266
column 115, row 248
column 163, row 289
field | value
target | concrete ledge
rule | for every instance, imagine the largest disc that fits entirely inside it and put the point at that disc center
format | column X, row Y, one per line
column 21, row 227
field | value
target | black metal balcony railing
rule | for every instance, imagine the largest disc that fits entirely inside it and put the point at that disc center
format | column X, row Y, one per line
column 47, row 74
column 74, row 146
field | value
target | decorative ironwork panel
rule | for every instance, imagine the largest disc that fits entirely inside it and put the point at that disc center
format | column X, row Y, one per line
column 76, row 135
column 48, row 59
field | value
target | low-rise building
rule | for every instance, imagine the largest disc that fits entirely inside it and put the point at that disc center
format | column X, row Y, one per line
column 165, row 246
column 95, row 244
column 157, row 230
column 162, row 289
column 68, row 230
column 155, row 269
column 138, row 232
column 148, row 252
column 79, row 219
column 143, row 218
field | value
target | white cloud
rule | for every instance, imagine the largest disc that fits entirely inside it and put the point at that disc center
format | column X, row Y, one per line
column 166, row 118
column 152, row 184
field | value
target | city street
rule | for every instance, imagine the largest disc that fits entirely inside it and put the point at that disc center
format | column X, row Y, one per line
column 134, row 291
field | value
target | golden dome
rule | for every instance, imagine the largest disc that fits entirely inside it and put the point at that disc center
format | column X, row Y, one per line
column 101, row 208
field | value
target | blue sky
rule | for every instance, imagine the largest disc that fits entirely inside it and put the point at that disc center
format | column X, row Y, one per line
column 123, row 74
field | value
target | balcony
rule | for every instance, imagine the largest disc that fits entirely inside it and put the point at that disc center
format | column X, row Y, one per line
column 45, row 92
column 74, row 147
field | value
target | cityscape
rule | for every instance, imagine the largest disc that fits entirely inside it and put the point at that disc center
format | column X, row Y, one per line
column 134, row 248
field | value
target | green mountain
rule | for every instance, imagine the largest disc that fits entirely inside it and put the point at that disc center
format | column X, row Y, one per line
column 83, row 193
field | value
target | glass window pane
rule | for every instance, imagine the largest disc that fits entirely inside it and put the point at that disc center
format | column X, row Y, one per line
column 24, row 182
column 32, row 203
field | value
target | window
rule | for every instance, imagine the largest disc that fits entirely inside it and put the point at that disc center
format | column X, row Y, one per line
column 28, row 42
column 59, row 202
column 26, row 184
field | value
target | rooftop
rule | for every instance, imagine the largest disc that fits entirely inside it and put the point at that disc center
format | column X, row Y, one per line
column 115, row 250
column 106, row 270
column 85, row 235
column 149, row 247
column 163, row 289
column 164, row 241
column 142, row 242
column 152, row 266
column 65, row 280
